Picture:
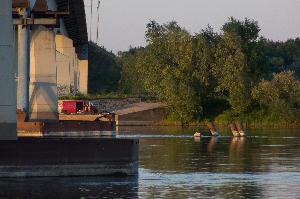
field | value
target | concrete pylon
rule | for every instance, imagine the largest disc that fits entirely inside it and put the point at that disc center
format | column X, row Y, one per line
column 43, row 104
column 83, row 76
column 7, row 79
column 76, row 73
column 23, row 66
column 64, row 45
column 32, row 3
column 63, row 74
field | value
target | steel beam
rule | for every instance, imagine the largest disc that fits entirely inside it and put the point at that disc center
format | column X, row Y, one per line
column 37, row 21
column 20, row 4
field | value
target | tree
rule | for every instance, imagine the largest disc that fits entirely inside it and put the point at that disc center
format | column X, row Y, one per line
column 131, row 81
column 247, row 30
column 239, row 63
column 168, row 69
column 104, row 72
column 230, row 72
column 280, row 96
column 201, row 75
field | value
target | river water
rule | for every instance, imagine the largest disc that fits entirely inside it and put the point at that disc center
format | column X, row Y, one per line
column 173, row 164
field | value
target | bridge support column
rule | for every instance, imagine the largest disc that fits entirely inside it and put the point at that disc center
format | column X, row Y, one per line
column 23, row 66
column 43, row 104
column 83, row 76
column 7, row 81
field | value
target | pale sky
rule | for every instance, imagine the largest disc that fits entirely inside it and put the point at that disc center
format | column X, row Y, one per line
column 123, row 22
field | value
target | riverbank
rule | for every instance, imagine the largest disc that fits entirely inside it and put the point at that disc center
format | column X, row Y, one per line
column 136, row 106
column 225, row 124
column 253, row 119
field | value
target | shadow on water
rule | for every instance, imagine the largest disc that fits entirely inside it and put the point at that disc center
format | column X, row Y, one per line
column 73, row 187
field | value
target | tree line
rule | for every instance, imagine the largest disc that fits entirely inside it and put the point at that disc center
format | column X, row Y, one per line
column 229, row 75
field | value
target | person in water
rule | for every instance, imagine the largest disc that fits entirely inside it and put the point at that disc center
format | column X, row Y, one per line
column 197, row 134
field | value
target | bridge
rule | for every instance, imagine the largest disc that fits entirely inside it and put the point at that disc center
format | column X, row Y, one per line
column 44, row 53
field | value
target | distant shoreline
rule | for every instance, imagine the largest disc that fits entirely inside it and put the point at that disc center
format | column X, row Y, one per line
column 225, row 124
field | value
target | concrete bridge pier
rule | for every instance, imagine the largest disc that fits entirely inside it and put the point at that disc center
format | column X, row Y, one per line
column 23, row 65
column 7, row 76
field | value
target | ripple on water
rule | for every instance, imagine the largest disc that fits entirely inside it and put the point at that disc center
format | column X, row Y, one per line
column 263, row 184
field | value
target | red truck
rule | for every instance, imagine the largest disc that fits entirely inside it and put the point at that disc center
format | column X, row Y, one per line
column 77, row 107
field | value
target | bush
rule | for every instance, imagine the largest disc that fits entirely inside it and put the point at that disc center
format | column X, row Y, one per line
column 279, row 96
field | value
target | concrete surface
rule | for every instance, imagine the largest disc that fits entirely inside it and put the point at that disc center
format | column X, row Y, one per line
column 83, row 76
column 63, row 74
column 142, row 113
column 43, row 104
column 68, row 67
column 138, row 107
column 31, row 157
column 7, row 75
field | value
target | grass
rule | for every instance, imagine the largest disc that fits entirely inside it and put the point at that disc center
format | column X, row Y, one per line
column 261, row 118
column 255, row 119
column 96, row 96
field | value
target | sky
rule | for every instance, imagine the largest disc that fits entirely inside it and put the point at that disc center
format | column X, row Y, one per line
column 122, row 23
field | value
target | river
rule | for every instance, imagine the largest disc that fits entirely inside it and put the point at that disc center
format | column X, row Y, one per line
column 173, row 164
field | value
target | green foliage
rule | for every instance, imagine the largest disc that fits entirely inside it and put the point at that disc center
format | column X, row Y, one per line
column 104, row 72
column 239, row 63
column 131, row 79
column 247, row 30
column 205, row 76
column 280, row 96
column 281, row 56
column 80, row 96
column 168, row 70
column 230, row 72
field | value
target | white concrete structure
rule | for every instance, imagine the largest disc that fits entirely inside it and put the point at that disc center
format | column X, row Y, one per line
column 23, row 65
column 7, row 79
column 83, row 76
column 63, row 74
column 52, row 5
column 76, row 73
column 43, row 77
column 67, row 64
column 32, row 3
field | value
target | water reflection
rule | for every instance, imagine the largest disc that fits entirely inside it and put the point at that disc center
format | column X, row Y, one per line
column 253, row 154
column 212, row 143
column 236, row 148
column 197, row 139
column 226, row 167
